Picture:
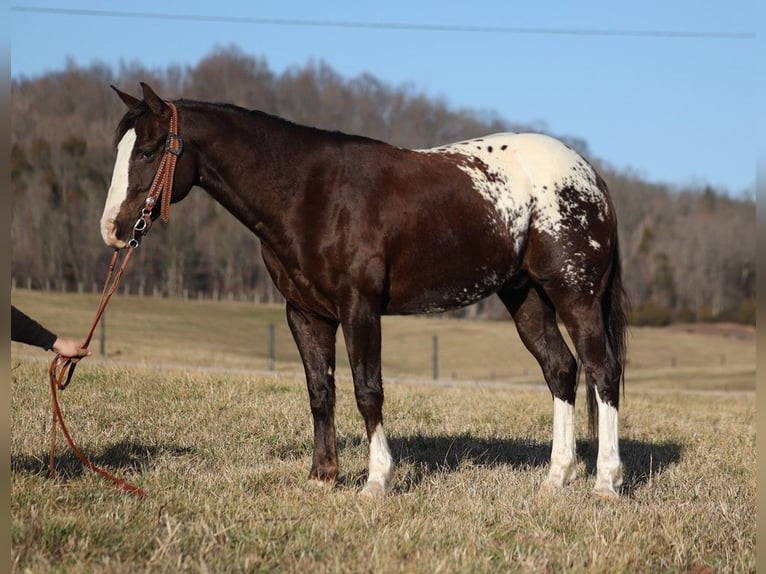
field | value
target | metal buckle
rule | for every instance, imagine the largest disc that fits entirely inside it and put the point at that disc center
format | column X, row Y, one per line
column 169, row 144
column 140, row 225
column 140, row 228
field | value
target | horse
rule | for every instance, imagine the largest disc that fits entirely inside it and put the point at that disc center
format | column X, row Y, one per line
column 352, row 228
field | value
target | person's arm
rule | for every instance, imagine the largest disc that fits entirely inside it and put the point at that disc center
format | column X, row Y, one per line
column 24, row 329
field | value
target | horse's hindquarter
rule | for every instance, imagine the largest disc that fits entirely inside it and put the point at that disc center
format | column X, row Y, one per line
column 515, row 202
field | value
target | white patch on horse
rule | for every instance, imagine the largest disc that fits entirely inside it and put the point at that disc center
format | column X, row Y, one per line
column 522, row 175
column 381, row 465
column 118, row 188
column 608, row 464
column 563, row 455
column 576, row 272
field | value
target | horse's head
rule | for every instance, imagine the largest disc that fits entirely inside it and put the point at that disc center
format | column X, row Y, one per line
column 141, row 144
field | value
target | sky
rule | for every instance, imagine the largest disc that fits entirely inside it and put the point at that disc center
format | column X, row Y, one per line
column 664, row 89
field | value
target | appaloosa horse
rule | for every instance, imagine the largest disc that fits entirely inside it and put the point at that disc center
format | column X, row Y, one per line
column 352, row 228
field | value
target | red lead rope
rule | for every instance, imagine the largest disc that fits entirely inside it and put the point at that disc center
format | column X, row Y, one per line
column 62, row 369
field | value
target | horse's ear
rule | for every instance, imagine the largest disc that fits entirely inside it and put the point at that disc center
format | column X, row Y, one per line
column 154, row 102
column 127, row 99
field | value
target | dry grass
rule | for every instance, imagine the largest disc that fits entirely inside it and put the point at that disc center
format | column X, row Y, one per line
column 224, row 456
column 234, row 335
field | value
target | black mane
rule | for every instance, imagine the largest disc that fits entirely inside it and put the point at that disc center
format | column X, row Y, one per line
column 134, row 113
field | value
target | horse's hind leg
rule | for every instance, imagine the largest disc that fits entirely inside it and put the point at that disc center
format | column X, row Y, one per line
column 535, row 320
column 583, row 317
column 315, row 338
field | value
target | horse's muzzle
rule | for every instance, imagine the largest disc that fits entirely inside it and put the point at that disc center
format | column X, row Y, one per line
column 109, row 234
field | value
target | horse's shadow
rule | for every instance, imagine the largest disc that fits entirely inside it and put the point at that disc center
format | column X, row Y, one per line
column 446, row 454
column 429, row 454
column 125, row 456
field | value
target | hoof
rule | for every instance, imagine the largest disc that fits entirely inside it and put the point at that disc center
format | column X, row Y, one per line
column 608, row 483
column 373, row 489
column 558, row 478
column 605, row 493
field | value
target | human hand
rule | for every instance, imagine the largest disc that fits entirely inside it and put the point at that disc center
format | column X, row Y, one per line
column 70, row 348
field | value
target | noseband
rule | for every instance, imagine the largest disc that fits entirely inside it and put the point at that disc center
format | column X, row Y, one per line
column 163, row 181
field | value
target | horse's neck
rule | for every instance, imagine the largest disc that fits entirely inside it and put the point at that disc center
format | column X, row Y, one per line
column 247, row 162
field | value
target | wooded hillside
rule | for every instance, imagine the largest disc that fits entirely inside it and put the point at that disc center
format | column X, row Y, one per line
column 688, row 254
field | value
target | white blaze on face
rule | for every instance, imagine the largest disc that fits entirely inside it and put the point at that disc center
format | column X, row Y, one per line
column 118, row 189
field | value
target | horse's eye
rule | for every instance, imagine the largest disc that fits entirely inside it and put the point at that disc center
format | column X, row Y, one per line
column 146, row 154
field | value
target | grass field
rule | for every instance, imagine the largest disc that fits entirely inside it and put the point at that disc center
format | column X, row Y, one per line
column 184, row 405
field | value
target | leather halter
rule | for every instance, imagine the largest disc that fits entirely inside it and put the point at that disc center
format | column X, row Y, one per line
column 163, row 181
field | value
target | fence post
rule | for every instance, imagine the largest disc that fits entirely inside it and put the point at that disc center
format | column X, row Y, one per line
column 272, row 347
column 436, row 357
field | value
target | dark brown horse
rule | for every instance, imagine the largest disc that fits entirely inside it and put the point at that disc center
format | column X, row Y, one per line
column 352, row 228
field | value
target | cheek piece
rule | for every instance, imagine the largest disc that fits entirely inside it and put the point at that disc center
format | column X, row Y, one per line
column 162, row 185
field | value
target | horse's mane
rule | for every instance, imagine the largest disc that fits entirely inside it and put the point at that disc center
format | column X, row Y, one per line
column 132, row 115
column 283, row 122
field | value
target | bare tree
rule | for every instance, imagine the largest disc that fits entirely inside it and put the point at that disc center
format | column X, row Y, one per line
column 688, row 254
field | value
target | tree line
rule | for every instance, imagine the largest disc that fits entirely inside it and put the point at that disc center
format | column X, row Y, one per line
column 688, row 254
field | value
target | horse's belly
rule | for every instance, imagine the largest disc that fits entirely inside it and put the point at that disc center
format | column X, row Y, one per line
column 436, row 284
column 439, row 299
column 456, row 261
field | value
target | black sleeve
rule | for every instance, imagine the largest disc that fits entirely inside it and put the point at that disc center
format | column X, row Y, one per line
column 26, row 330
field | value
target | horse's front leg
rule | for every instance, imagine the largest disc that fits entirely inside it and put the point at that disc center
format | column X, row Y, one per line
column 315, row 338
column 362, row 333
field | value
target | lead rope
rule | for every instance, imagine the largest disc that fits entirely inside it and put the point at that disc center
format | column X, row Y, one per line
column 64, row 367
column 161, row 185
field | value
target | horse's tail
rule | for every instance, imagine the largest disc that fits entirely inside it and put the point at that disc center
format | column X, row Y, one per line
column 614, row 309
